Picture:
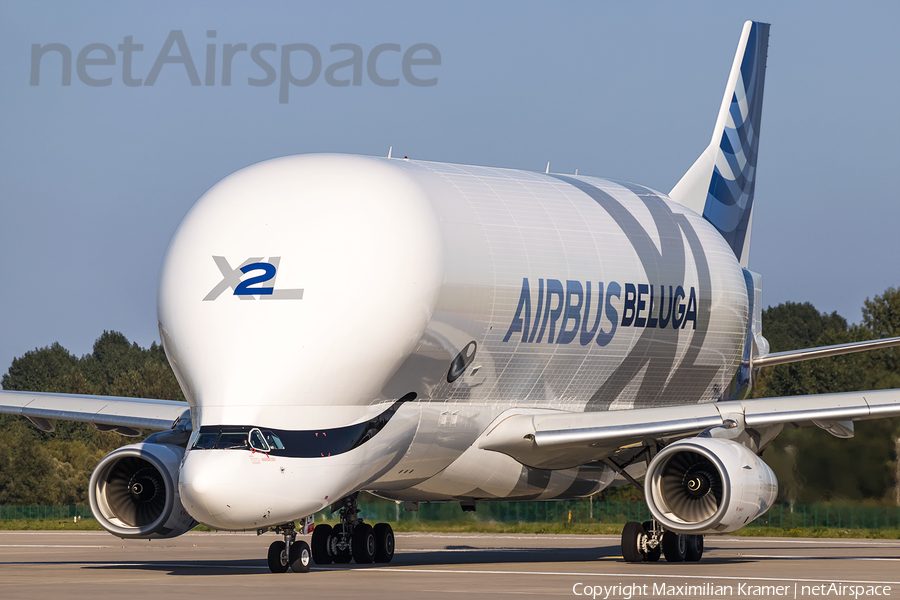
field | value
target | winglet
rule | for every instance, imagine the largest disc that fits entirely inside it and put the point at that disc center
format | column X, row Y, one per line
column 721, row 182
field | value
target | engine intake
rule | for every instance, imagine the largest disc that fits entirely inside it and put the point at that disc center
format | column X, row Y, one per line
column 133, row 494
column 708, row 485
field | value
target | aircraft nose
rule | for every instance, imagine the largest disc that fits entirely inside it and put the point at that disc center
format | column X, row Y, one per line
column 237, row 490
column 205, row 490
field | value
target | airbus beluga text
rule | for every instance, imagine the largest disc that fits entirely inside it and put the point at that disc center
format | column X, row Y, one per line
column 438, row 332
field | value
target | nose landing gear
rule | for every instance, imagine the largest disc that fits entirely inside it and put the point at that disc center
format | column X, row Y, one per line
column 290, row 553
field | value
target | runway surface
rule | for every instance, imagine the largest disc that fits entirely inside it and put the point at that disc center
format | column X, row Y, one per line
column 75, row 565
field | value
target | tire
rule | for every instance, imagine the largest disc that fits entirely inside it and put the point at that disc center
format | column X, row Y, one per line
column 631, row 536
column 340, row 557
column 674, row 546
column 300, row 557
column 320, row 539
column 278, row 561
column 694, row 548
column 363, row 544
column 654, row 554
column 384, row 543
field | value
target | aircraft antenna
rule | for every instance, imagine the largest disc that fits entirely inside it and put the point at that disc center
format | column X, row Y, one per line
column 548, row 168
column 389, row 151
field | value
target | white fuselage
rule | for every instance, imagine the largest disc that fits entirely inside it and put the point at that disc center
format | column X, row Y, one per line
column 549, row 292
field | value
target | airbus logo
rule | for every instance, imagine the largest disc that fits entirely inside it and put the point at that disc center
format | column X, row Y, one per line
column 251, row 287
column 642, row 308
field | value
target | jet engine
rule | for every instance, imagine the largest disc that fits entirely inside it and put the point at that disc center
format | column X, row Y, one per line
column 708, row 485
column 134, row 492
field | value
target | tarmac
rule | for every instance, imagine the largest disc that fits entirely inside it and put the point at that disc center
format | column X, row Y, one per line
column 92, row 565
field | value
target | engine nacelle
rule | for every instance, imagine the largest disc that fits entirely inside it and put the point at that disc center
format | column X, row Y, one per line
column 708, row 485
column 134, row 492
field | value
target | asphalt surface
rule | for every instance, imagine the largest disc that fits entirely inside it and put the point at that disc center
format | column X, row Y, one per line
column 93, row 565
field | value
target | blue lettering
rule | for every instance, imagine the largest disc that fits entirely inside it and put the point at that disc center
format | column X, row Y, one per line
column 612, row 290
column 537, row 313
column 651, row 320
column 640, row 321
column 662, row 302
column 587, row 336
column 678, row 311
column 554, row 288
column 569, row 314
column 245, row 287
column 573, row 313
column 518, row 324
column 628, row 310
column 691, row 314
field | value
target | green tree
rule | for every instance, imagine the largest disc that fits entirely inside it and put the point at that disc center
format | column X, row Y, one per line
column 812, row 464
column 881, row 317
column 54, row 468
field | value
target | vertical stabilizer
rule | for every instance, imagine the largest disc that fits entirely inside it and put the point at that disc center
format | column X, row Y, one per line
column 720, row 183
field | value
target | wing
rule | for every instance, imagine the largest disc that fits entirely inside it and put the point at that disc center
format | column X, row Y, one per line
column 106, row 413
column 782, row 358
column 563, row 440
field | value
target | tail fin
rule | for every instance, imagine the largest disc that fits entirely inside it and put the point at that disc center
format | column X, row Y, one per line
column 720, row 184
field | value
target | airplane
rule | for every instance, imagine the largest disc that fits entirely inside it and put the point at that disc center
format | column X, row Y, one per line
column 434, row 332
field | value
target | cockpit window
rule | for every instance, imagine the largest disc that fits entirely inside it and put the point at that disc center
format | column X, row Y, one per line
column 233, row 439
column 298, row 444
column 273, row 440
column 224, row 438
column 257, row 441
column 206, row 440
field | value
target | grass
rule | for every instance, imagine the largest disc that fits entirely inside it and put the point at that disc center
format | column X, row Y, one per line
column 819, row 532
column 469, row 526
column 49, row 525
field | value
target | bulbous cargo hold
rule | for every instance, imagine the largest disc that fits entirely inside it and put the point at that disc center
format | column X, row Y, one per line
column 568, row 287
column 352, row 268
column 134, row 494
column 708, row 485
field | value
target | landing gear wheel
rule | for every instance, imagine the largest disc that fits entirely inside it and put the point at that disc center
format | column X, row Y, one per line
column 694, row 548
column 631, row 542
column 363, row 544
column 384, row 543
column 674, row 546
column 341, row 557
column 300, row 557
column 278, row 559
column 652, row 554
column 320, row 543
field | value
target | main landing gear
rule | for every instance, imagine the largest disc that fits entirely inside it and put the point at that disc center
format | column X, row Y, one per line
column 647, row 541
column 352, row 539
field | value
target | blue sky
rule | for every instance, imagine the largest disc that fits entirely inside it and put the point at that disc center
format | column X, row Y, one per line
column 94, row 180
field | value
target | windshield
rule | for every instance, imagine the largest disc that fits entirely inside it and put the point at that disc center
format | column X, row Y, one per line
column 238, row 438
column 309, row 443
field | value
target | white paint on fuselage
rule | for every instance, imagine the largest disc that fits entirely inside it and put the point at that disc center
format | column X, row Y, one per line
column 402, row 265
